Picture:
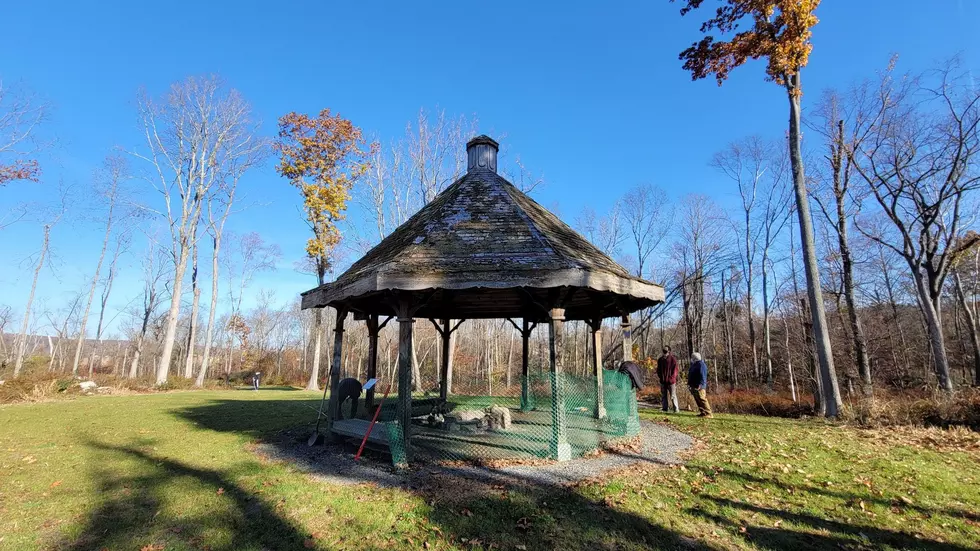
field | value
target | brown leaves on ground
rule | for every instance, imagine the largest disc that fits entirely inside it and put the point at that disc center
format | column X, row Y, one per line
column 932, row 438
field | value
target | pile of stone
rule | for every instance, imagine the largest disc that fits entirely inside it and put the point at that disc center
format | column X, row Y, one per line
column 474, row 420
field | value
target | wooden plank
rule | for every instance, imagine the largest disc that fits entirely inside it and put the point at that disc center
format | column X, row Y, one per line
column 357, row 428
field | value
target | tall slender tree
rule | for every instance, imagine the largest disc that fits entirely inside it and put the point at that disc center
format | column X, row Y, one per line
column 108, row 184
column 199, row 135
column 323, row 157
column 778, row 31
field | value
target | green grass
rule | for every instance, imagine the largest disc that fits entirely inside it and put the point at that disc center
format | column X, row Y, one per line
column 175, row 471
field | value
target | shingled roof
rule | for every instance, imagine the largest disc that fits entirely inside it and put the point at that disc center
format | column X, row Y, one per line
column 488, row 250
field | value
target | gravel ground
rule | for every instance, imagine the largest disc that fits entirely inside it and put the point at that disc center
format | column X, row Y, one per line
column 335, row 463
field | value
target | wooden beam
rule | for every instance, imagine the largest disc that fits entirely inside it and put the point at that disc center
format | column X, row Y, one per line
column 372, row 368
column 627, row 338
column 446, row 367
column 525, row 357
column 405, row 327
column 560, row 449
column 333, row 406
column 600, row 405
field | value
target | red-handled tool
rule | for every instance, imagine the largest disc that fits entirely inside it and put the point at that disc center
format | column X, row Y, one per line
column 374, row 420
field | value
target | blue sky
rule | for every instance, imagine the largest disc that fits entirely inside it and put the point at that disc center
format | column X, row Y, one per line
column 590, row 95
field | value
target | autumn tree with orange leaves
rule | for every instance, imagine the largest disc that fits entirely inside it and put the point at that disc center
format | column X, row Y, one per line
column 779, row 32
column 323, row 157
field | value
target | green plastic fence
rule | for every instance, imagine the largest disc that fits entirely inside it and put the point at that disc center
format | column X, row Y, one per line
column 467, row 427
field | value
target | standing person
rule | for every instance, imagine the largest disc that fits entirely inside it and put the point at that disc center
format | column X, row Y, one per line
column 697, row 381
column 255, row 381
column 667, row 373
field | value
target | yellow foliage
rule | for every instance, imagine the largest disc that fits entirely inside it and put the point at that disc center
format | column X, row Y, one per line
column 323, row 157
column 779, row 31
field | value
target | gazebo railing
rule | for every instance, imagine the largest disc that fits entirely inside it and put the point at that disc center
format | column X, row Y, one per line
column 556, row 418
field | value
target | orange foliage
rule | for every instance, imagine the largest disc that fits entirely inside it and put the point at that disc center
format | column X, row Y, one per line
column 19, row 170
column 323, row 156
column 778, row 30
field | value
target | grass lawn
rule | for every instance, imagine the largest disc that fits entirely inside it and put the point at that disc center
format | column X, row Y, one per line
column 174, row 471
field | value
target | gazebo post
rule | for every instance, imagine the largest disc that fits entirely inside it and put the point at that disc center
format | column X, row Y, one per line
column 405, row 328
column 600, row 405
column 525, row 356
column 333, row 407
column 372, row 367
column 560, row 449
column 446, row 369
column 627, row 338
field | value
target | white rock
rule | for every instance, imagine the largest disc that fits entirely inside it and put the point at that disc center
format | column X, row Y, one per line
column 88, row 386
column 499, row 417
column 466, row 415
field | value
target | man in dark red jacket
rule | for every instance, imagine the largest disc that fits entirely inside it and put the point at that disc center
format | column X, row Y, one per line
column 667, row 373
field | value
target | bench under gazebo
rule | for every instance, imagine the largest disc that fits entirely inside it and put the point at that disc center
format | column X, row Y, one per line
column 482, row 249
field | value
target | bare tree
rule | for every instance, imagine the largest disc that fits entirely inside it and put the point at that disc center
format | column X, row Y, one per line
column 646, row 214
column 843, row 125
column 198, row 136
column 223, row 200
column 918, row 162
column 154, row 271
column 108, row 185
column 698, row 256
column 746, row 162
column 21, row 113
column 967, row 263
column 42, row 254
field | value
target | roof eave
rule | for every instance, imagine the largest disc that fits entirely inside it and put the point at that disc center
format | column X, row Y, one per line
column 331, row 293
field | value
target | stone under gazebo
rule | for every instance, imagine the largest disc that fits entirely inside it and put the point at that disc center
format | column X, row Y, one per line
column 482, row 249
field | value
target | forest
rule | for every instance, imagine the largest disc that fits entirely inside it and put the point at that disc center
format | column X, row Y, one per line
column 892, row 179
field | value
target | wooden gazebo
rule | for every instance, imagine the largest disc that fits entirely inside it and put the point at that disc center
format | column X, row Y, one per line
column 482, row 249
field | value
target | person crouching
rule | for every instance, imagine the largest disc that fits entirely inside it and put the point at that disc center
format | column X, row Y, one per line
column 697, row 381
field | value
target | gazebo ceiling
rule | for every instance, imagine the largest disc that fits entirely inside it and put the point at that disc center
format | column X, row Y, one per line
column 484, row 249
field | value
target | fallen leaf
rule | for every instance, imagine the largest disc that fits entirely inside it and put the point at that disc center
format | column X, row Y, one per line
column 221, row 491
column 56, row 483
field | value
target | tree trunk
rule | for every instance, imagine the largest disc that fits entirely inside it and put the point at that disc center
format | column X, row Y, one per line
column 192, row 329
column 789, row 359
column 934, row 330
column 80, row 342
column 209, row 332
column 748, row 298
column 173, row 316
column 821, row 336
column 847, row 263
column 313, row 383
column 766, row 325
column 22, row 341
column 971, row 322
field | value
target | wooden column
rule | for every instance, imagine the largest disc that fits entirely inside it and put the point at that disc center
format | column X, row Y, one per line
column 333, row 407
column 372, row 359
column 525, row 357
column 446, row 374
column 405, row 352
column 560, row 450
column 627, row 338
column 600, row 404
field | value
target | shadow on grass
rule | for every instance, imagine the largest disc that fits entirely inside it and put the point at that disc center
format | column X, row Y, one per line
column 506, row 510
column 844, row 496
column 476, row 507
column 133, row 511
column 820, row 534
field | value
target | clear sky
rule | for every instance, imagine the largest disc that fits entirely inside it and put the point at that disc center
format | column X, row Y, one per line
column 589, row 94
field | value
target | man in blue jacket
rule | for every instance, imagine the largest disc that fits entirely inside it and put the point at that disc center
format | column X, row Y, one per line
column 697, row 381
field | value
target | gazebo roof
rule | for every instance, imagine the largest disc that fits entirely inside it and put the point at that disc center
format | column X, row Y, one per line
column 486, row 250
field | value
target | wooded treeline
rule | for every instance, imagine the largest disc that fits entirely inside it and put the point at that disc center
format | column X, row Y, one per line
column 892, row 179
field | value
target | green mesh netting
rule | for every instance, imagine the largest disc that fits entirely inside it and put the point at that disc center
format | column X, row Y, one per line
column 549, row 418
